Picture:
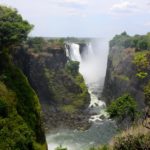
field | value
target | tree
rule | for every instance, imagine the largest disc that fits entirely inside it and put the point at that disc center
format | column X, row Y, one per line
column 13, row 29
column 122, row 107
column 73, row 67
column 60, row 148
column 37, row 43
column 147, row 94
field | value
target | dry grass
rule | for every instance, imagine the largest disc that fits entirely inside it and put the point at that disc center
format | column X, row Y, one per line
column 134, row 130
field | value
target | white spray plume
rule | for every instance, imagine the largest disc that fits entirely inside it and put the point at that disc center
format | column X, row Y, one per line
column 93, row 61
column 93, row 67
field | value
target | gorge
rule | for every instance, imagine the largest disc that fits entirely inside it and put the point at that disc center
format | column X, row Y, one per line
column 92, row 60
column 72, row 92
column 79, row 125
column 89, row 125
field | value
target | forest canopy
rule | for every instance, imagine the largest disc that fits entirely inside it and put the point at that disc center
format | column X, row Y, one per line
column 13, row 28
column 140, row 42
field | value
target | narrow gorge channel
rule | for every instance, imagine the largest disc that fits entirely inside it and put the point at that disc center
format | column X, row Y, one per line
column 92, row 67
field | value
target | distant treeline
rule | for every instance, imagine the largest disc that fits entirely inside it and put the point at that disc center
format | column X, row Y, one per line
column 40, row 44
column 140, row 42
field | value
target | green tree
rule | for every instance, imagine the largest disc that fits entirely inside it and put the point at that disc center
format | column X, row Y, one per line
column 37, row 43
column 73, row 67
column 122, row 107
column 147, row 94
column 13, row 29
column 60, row 148
column 141, row 60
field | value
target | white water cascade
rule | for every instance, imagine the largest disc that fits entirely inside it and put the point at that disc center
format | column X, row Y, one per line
column 75, row 52
column 93, row 68
column 88, row 68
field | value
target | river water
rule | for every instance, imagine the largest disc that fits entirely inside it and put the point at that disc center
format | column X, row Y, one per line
column 93, row 69
column 101, row 131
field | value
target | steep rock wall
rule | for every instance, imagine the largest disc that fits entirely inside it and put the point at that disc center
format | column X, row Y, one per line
column 63, row 96
column 121, row 76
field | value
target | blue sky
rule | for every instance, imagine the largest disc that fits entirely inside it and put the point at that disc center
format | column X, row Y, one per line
column 84, row 18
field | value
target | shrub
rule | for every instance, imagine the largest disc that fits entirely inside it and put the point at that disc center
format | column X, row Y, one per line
column 141, row 60
column 13, row 28
column 131, row 142
column 104, row 147
column 142, row 75
column 122, row 107
column 72, row 67
column 147, row 94
column 60, row 148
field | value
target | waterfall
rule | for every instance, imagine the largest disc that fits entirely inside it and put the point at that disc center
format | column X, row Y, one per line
column 90, row 68
column 74, row 53
column 92, row 63
column 67, row 51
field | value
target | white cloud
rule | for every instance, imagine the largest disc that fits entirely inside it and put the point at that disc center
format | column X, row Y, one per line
column 124, row 7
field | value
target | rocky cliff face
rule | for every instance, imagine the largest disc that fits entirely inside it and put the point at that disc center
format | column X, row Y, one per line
column 121, row 76
column 63, row 96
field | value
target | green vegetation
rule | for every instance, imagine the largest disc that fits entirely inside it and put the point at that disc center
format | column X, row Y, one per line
column 60, row 148
column 77, row 40
column 20, row 122
column 120, row 40
column 72, row 67
column 139, row 42
column 122, row 107
column 147, row 94
column 105, row 147
column 136, row 137
column 132, row 142
column 141, row 60
column 40, row 44
column 142, row 75
column 56, row 42
column 37, row 44
column 13, row 29
column 71, row 92
column 121, row 77
column 20, row 113
column 125, row 48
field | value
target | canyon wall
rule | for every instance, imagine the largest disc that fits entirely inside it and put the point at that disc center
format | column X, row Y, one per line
column 123, row 74
column 61, row 89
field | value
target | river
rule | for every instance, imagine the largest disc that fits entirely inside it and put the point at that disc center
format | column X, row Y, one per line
column 93, row 68
column 100, row 132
